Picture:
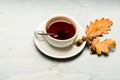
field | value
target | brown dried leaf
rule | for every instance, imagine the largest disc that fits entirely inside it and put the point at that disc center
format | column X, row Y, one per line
column 98, row 28
column 103, row 46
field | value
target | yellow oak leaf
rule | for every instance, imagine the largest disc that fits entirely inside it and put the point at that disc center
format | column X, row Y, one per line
column 98, row 28
column 103, row 46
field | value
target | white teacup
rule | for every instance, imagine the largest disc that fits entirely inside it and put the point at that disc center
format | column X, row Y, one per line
column 55, row 38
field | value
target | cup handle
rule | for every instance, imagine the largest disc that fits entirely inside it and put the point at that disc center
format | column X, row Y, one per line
column 38, row 36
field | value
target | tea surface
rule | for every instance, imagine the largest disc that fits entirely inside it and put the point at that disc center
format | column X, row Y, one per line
column 62, row 30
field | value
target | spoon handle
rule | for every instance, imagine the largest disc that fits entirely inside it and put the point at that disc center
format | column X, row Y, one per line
column 45, row 33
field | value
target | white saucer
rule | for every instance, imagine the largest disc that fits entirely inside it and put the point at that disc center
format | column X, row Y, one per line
column 60, row 53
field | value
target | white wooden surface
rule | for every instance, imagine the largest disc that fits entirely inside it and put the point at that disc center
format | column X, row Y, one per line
column 19, row 58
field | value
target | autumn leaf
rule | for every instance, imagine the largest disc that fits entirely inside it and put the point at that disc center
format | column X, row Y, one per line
column 103, row 46
column 94, row 30
column 98, row 28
